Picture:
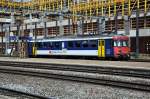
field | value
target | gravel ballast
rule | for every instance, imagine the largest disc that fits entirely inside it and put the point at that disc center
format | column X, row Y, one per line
column 67, row 89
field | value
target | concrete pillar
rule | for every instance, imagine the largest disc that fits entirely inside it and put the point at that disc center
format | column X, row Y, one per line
column 79, row 27
column 57, row 28
column 137, row 32
column 101, row 25
column 6, row 39
column 116, row 23
column 70, row 25
column 35, row 31
column 127, row 25
column 12, row 18
column 61, row 27
column 31, row 30
column 45, row 30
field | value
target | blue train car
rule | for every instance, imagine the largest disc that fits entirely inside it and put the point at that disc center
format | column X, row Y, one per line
column 77, row 46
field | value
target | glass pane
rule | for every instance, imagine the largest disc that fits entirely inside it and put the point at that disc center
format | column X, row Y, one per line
column 70, row 44
column 85, row 43
column 77, row 43
column 124, row 43
column 119, row 43
column 93, row 43
column 115, row 43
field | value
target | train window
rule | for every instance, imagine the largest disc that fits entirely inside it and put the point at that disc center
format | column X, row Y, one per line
column 57, row 44
column 93, row 43
column 77, row 44
column 115, row 43
column 50, row 44
column 70, row 44
column 85, row 43
column 124, row 43
column 39, row 44
column 45, row 45
column 119, row 43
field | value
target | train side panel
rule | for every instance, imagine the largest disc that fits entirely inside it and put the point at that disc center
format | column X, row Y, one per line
column 109, row 51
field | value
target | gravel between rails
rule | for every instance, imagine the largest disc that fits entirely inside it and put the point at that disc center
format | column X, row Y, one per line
column 119, row 81
column 67, row 89
column 142, row 73
column 82, row 74
column 15, row 94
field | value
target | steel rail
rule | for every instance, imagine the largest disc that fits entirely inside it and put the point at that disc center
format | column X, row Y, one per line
column 99, row 81
column 139, row 60
column 122, row 71
column 24, row 93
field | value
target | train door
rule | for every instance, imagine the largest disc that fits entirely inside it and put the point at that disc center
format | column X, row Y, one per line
column 29, row 48
column 101, row 48
column 34, row 49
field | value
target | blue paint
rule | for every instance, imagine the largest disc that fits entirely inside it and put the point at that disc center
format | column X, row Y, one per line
column 91, row 45
column 109, row 47
column 30, row 48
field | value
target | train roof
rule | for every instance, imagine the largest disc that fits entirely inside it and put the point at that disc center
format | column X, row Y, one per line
column 75, row 38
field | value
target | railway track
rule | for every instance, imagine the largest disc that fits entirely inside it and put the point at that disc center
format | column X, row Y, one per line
column 29, row 70
column 141, row 73
column 23, row 94
column 139, row 60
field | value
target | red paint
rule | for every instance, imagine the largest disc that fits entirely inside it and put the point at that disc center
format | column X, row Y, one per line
column 120, row 38
column 121, row 51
